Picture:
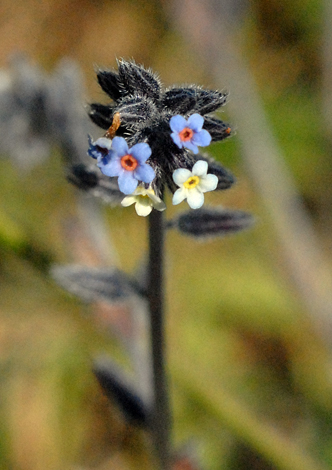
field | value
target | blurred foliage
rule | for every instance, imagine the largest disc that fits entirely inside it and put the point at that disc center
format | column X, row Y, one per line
column 236, row 327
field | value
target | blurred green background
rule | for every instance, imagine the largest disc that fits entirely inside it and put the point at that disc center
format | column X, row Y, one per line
column 250, row 371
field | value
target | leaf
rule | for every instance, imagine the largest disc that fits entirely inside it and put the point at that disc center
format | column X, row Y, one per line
column 89, row 179
column 93, row 284
column 118, row 389
column 215, row 222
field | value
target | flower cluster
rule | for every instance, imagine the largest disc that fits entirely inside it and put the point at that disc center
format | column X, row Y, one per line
column 152, row 138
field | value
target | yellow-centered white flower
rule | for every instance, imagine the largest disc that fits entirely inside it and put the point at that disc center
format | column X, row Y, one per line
column 145, row 200
column 193, row 184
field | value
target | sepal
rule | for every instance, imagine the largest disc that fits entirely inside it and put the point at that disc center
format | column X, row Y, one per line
column 219, row 130
column 137, row 80
column 101, row 115
column 193, row 99
column 135, row 109
column 110, row 83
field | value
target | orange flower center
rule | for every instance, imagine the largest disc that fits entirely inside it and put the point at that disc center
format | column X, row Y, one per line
column 128, row 162
column 186, row 134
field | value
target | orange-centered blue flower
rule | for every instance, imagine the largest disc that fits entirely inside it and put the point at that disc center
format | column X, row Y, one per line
column 189, row 133
column 128, row 164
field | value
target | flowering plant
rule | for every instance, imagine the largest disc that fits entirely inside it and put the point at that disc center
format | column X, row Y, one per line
column 151, row 143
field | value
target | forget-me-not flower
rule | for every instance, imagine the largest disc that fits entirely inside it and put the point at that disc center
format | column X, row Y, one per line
column 145, row 200
column 189, row 133
column 99, row 149
column 128, row 164
column 193, row 184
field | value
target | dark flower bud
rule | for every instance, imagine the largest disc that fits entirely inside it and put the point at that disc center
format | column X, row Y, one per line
column 193, row 99
column 135, row 110
column 179, row 100
column 110, row 83
column 101, row 115
column 225, row 177
column 218, row 129
column 138, row 81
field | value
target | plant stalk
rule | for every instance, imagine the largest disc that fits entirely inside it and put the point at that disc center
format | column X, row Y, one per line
column 160, row 419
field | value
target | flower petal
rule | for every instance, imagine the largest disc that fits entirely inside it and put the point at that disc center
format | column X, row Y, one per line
column 177, row 123
column 144, row 173
column 200, row 168
column 120, row 146
column 104, row 142
column 179, row 195
column 128, row 201
column 208, row 183
column 202, row 138
column 195, row 122
column 181, row 175
column 157, row 202
column 195, row 198
column 112, row 168
column 127, row 183
column 176, row 139
column 143, row 207
column 191, row 146
column 141, row 152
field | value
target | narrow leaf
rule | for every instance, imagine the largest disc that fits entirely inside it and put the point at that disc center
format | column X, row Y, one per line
column 88, row 178
column 216, row 222
column 118, row 389
column 93, row 284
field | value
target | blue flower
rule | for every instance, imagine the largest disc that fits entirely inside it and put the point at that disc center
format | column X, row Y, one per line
column 99, row 149
column 189, row 133
column 128, row 164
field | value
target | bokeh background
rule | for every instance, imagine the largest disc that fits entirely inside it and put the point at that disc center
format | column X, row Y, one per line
column 248, row 317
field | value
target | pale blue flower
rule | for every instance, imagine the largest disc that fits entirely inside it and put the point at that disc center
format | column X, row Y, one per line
column 128, row 164
column 99, row 149
column 189, row 133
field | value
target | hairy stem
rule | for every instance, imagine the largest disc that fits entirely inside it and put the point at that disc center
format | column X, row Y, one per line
column 160, row 419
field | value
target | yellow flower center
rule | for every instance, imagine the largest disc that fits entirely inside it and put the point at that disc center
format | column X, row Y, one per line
column 191, row 182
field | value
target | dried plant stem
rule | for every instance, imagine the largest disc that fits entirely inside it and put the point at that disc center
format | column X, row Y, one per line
column 161, row 415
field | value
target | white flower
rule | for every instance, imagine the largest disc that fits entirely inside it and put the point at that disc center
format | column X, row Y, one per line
column 193, row 184
column 145, row 200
